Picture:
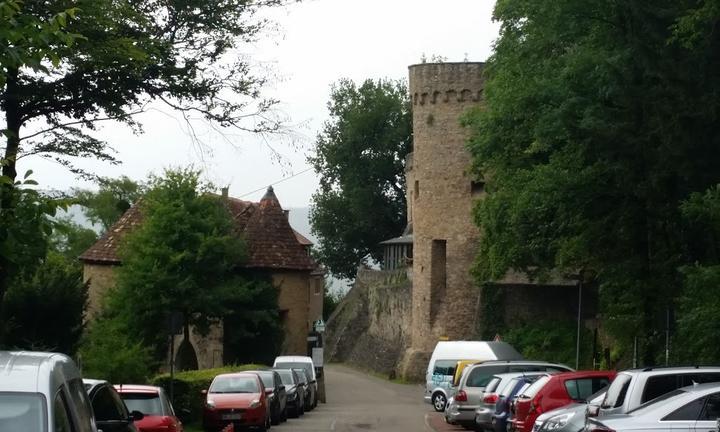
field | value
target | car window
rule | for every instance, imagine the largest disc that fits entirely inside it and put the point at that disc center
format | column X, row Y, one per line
column 481, row 375
column 79, row 398
column 61, row 415
column 688, row 412
column 235, row 384
column 146, row 403
column 297, row 365
column 445, row 367
column 711, row 411
column 286, row 376
column 615, row 396
column 506, row 387
column 105, row 406
column 526, row 368
column 277, row 382
column 556, row 369
column 535, row 387
column 492, row 385
column 581, row 389
column 267, row 379
column 22, row 412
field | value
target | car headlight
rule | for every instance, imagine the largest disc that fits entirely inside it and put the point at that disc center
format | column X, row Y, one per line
column 292, row 396
column 255, row 404
column 557, row 422
column 210, row 404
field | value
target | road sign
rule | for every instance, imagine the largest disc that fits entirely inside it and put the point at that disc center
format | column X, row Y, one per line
column 320, row 326
column 317, row 357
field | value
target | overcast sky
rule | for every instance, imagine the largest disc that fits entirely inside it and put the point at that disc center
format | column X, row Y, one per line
column 317, row 43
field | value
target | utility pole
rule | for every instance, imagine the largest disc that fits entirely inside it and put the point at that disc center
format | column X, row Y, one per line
column 579, row 323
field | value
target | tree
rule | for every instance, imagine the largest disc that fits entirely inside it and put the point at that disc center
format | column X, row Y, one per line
column 71, row 239
column 64, row 70
column 360, row 156
column 108, row 204
column 44, row 308
column 599, row 121
column 183, row 258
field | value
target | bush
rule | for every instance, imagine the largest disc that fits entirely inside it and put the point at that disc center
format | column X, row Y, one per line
column 107, row 352
column 188, row 385
column 553, row 341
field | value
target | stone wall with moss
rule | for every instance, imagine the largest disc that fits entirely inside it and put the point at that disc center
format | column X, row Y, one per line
column 371, row 327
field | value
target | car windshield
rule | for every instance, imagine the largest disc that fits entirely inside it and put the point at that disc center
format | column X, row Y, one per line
column 146, row 403
column 267, row 379
column 301, row 375
column 308, row 367
column 286, row 376
column 22, row 412
column 234, row 384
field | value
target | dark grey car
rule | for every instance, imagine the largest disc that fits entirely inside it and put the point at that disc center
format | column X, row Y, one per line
column 276, row 393
column 295, row 391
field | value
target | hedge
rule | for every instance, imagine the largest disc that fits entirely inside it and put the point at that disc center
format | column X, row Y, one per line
column 188, row 385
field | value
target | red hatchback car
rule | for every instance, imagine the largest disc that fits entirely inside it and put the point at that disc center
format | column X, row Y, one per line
column 554, row 391
column 159, row 415
column 238, row 399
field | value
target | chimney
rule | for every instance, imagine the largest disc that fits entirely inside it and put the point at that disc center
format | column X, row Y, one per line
column 225, row 192
column 287, row 214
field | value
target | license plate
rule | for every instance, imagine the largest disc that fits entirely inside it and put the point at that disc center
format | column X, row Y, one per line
column 232, row 416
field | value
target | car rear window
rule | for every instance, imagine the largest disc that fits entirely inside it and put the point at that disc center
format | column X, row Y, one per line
column 22, row 412
column 146, row 403
column 582, row 388
column 659, row 385
column 492, row 386
column 445, row 367
column 535, row 387
column 615, row 396
column 481, row 375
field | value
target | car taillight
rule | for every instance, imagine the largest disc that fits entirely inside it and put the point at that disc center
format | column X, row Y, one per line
column 461, row 396
column 491, row 398
column 535, row 405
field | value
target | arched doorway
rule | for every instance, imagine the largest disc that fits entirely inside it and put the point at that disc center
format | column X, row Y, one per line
column 186, row 358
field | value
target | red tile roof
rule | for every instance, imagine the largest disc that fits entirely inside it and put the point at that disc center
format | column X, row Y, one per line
column 272, row 243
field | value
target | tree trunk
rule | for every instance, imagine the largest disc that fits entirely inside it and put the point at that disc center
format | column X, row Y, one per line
column 13, row 120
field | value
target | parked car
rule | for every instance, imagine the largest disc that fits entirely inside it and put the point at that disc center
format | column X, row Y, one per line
column 503, row 415
column 153, row 403
column 632, row 388
column 38, row 390
column 277, row 395
column 476, row 407
column 570, row 418
column 306, row 363
column 478, row 375
column 310, row 394
column 444, row 360
column 238, row 399
column 111, row 414
column 295, row 391
column 695, row 408
column 554, row 391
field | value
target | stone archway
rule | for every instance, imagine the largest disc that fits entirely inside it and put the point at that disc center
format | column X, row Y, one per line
column 186, row 358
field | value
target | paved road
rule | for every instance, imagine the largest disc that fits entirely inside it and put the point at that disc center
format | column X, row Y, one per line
column 358, row 402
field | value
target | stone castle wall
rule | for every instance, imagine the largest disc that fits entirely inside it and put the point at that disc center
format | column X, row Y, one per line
column 371, row 326
column 445, row 299
column 102, row 277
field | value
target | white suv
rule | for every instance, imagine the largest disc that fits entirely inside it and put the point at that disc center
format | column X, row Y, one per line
column 632, row 388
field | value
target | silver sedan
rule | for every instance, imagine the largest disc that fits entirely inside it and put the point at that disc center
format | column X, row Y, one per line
column 689, row 409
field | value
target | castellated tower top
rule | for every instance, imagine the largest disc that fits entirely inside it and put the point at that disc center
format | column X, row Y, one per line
column 439, row 83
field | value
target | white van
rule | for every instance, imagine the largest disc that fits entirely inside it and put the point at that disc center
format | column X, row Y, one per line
column 441, row 368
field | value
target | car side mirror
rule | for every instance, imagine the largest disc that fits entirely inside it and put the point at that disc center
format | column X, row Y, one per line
column 593, row 410
column 203, row 392
column 137, row 416
column 268, row 391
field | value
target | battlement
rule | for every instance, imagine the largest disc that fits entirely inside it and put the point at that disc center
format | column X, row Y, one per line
column 433, row 83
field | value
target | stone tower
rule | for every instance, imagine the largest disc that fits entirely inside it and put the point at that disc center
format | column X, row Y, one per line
column 440, row 194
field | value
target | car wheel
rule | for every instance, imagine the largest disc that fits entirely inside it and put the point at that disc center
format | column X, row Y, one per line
column 439, row 401
column 285, row 414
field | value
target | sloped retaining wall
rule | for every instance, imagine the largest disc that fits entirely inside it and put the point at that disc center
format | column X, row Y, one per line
column 370, row 328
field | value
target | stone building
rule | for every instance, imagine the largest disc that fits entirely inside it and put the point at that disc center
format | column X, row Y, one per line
column 440, row 200
column 274, row 247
